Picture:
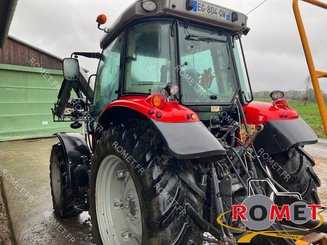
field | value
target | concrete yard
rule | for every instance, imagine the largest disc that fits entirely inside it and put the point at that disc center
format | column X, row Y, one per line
column 24, row 166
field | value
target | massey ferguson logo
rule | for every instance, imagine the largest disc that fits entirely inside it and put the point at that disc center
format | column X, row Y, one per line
column 259, row 213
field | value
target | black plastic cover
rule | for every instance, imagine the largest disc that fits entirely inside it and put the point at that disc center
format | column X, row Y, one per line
column 281, row 135
column 190, row 140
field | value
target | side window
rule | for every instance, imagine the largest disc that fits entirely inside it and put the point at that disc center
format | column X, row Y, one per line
column 241, row 69
column 148, row 64
column 107, row 84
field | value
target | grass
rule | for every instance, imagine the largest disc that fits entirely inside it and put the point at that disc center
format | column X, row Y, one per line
column 309, row 113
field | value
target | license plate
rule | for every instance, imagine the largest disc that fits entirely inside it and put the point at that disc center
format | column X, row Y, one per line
column 205, row 8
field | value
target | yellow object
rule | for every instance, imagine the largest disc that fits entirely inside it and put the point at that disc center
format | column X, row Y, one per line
column 157, row 101
column 300, row 242
column 312, row 238
column 315, row 75
column 215, row 109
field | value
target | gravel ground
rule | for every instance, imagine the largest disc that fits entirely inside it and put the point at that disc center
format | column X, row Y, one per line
column 321, row 171
column 319, row 153
column 5, row 232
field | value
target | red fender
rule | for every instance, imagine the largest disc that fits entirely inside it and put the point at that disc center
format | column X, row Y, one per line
column 261, row 112
column 172, row 112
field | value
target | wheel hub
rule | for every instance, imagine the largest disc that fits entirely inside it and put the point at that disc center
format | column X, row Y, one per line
column 132, row 206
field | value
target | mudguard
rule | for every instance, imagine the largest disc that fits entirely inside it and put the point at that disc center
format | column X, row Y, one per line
column 189, row 140
column 186, row 136
column 77, row 156
column 281, row 135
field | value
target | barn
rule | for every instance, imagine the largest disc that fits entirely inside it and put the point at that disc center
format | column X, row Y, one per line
column 30, row 79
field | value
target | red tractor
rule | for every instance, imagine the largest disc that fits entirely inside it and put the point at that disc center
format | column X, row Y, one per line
column 172, row 135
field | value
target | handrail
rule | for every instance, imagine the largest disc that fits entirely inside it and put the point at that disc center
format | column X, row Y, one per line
column 315, row 75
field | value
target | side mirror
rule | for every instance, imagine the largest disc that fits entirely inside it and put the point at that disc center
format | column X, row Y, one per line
column 71, row 69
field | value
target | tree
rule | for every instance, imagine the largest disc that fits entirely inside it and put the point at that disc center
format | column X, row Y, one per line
column 307, row 93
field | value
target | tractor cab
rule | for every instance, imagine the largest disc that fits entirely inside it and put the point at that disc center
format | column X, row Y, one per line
column 189, row 51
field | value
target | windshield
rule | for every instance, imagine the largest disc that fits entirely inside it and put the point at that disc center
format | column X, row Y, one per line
column 207, row 71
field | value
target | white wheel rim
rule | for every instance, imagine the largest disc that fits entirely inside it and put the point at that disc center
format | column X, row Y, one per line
column 117, row 204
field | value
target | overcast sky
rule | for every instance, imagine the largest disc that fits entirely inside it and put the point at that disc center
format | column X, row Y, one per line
column 273, row 49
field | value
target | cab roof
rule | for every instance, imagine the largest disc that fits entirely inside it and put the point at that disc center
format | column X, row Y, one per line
column 193, row 10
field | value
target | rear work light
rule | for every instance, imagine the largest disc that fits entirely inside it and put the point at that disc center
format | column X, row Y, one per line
column 148, row 5
column 276, row 95
column 174, row 90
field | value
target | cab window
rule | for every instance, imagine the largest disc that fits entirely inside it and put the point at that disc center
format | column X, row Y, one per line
column 108, row 81
column 148, row 62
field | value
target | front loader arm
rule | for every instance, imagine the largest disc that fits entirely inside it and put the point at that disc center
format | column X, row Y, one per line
column 82, row 90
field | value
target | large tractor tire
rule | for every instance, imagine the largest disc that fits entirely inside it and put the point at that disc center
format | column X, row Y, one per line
column 301, row 176
column 136, row 193
column 62, row 196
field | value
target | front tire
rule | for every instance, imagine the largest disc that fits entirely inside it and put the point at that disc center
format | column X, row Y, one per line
column 131, row 163
column 62, row 196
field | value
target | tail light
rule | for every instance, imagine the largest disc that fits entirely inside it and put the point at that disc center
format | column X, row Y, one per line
column 281, row 103
column 157, row 100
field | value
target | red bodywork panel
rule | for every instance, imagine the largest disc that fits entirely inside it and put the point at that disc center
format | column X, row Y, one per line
column 172, row 112
column 261, row 112
column 255, row 112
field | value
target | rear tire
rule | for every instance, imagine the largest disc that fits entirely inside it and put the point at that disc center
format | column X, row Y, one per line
column 302, row 177
column 161, row 194
column 62, row 196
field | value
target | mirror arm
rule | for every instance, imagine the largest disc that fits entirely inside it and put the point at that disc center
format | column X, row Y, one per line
column 91, row 55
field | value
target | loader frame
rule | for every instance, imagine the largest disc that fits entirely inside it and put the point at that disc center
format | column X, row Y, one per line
column 314, row 73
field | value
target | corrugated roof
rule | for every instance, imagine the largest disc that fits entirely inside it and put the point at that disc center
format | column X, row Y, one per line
column 36, row 48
